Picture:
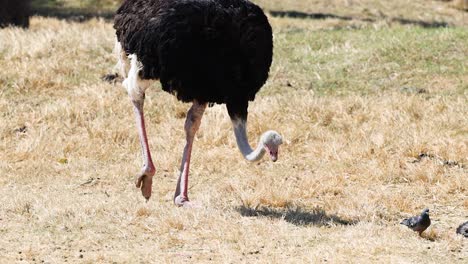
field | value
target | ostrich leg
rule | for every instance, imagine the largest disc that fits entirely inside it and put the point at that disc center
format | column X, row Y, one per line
column 136, row 90
column 192, row 123
column 145, row 179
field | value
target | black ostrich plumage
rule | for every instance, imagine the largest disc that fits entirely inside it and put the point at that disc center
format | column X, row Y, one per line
column 212, row 51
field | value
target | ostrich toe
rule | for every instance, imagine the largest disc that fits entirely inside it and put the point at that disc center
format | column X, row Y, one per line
column 144, row 182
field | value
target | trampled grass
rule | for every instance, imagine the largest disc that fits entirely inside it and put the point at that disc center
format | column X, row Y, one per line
column 374, row 117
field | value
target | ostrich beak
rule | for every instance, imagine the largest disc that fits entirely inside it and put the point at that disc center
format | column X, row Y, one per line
column 274, row 156
column 273, row 152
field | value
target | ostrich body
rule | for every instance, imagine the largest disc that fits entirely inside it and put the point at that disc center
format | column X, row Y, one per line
column 204, row 52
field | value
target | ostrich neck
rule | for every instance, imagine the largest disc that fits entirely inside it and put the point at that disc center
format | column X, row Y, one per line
column 243, row 142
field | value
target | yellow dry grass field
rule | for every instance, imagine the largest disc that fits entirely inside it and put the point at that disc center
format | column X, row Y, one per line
column 374, row 116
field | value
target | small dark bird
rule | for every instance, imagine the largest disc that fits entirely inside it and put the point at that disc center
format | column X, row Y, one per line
column 418, row 223
column 463, row 229
column 111, row 77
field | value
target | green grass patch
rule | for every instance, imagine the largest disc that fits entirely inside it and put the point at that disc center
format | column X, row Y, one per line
column 368, row 61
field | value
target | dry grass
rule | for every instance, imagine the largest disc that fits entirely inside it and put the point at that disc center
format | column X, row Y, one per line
column 375, row 127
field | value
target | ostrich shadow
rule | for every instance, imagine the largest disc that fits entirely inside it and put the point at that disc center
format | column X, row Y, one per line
column 297, row 216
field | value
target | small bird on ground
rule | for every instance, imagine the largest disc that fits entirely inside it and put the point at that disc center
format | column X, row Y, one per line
column 418, row 223
column 111, row 78
column 463, row 229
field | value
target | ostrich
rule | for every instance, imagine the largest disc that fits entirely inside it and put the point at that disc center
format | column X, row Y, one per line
column 202, row 51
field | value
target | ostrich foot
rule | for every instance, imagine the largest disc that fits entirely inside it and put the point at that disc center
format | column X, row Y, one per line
column 144, row 181
column 182, row 201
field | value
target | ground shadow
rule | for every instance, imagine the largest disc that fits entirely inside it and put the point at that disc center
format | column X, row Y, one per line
column 403, row 21
column 72, row 14
column 82, row 15
column 297, row 216
column 424, row 24
column 302, row 15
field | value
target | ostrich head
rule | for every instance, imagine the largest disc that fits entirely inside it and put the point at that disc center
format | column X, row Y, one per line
column 271, row 141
